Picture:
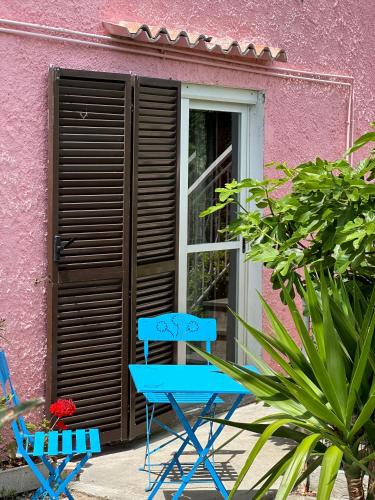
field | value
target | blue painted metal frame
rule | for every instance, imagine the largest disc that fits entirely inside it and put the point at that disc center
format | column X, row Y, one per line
column 173, row 327
column 172, row 379
column 42, row 445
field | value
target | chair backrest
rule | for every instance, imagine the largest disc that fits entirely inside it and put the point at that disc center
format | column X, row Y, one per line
column 9, row 395
column 174, row 327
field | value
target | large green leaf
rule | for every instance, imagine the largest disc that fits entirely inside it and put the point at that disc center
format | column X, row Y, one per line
column 315, row 311
column 320, row 371
column 331, row 464
column 360, row 142
column 261, row 386
column 311, row 465
column 315, row 407
column 360, row 365
column 296, row 374
column 10, row 414
column 263, row 367
column 365, row 415
column 271, row 476
column 295, row 466
column 334, row 354
column 290, row 347
column 283, row 432
column 265, row 436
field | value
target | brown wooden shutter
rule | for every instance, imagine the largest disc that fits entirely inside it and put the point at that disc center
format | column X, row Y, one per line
column 89, row 193
column 155, row 220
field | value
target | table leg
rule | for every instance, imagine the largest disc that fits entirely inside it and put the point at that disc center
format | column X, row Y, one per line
column 202, row 452
column 173, row 462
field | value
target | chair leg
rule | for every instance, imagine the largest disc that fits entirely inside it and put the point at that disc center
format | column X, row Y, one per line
column 148, row 432
column 55, row 485
column 45, row 487
column 148, row 455
column 211, row 432
column 37, row 493
column 63, row 483
column 68, row 495
column 53, row 480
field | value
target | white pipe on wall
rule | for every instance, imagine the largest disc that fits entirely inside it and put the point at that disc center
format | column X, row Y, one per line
column 169, row 48
column 146, row 49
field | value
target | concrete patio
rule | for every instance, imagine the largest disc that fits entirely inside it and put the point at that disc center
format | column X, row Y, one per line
column 116, row 475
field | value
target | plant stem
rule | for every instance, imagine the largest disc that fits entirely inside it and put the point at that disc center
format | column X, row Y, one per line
column 355, row 485
column 371, row 482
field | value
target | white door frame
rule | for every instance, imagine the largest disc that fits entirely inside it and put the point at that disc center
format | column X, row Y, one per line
column 250, row 106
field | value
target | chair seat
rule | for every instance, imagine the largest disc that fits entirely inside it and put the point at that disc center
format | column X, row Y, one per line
column 182, row 397
column 68, row 442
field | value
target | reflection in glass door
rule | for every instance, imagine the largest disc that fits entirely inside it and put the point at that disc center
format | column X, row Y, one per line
column 211, row 288
column 211, row 266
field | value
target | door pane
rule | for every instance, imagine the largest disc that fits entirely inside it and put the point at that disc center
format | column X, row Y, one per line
column 212, row 163
column 211, row 288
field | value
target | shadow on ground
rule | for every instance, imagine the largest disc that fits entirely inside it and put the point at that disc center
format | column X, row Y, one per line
column 214, row 495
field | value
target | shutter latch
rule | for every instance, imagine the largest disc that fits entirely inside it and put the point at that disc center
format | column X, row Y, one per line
column 243, row 245
column 58, row 247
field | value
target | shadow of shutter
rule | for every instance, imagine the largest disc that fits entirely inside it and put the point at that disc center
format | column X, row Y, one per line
column 155, row 222
column 89, row 192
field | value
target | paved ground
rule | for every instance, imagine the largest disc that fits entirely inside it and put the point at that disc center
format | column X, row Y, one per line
column 116, row 476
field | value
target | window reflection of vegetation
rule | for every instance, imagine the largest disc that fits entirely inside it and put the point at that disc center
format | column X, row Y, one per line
column 200, row 230
column 203, row 270
column 197, row 144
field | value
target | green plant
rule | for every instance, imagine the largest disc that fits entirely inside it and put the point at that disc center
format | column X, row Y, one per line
column 10, row 414
column 325, row 398
column 8, row 494
column 319, row 214
column 8, row 448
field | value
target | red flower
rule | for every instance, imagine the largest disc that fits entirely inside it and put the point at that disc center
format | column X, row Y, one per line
column 63, row 408
column 60, row 426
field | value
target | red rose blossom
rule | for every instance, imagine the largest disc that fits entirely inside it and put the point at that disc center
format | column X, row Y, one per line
column 63, row 408
column 60, row 426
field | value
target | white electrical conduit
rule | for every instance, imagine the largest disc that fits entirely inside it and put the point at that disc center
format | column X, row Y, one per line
column 147, row 49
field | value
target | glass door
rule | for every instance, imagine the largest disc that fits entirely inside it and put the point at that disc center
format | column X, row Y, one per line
column 211, row 267
column 215, row 148
column 221, row 139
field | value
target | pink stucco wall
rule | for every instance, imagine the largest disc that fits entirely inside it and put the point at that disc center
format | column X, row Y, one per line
column 302, row 119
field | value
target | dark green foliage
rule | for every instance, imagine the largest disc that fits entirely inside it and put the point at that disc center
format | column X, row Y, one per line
column 324, row 399
column 319, row 214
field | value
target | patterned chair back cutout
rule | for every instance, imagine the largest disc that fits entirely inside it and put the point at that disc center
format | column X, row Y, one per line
column 177, row 327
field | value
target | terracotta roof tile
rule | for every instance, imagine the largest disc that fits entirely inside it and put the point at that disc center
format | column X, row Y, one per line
column 192, row 40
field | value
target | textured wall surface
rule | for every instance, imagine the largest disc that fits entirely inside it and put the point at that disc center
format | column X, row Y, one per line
column 302, row 119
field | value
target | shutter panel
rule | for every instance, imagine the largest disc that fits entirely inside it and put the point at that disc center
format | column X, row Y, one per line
column 90, row 127
column 155, row 221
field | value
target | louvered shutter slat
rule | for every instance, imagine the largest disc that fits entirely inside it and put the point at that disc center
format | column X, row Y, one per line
column 155, row 201
column 90, row 191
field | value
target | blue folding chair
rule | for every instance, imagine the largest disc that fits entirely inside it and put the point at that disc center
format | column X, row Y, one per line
column 43, row 445
column 173, row 327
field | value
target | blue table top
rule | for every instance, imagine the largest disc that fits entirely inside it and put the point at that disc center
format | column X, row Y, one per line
column 185, row 378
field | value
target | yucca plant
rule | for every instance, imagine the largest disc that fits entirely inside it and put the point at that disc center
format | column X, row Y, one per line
column 325, row 397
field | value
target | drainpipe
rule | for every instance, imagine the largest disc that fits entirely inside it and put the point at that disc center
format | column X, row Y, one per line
column 175, row 54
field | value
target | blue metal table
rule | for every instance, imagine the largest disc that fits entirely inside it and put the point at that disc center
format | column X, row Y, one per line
column 176, row 379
